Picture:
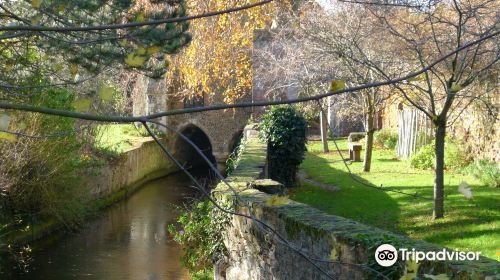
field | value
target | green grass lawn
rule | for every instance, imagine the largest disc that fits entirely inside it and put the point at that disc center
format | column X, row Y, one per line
column 117, row 138
column 468, row 224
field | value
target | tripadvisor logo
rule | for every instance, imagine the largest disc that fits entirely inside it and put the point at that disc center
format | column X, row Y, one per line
column 387, row 255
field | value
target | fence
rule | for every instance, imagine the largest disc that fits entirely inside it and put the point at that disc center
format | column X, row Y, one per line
column 414, row 131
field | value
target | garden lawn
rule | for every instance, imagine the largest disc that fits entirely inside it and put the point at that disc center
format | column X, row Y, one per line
column 468, row 224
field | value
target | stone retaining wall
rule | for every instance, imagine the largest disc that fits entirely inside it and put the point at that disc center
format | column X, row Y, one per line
column 110, row 183
column 142, row 163
column 255, row 254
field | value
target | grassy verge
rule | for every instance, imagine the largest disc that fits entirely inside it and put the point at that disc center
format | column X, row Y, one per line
column 117, row 138
column 468, row 225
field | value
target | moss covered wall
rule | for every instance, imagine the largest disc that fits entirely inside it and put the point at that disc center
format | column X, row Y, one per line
column 140, row 164
column 256, row 254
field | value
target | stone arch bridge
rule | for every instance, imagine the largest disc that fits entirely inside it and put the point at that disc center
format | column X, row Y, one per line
column 216, row 133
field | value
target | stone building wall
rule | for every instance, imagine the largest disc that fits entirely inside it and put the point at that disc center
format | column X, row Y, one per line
column 255, row 253
column 221, row 127
column 478, row 133
column 139, row 96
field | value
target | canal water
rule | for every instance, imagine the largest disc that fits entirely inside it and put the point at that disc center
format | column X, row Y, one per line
column 128, row 241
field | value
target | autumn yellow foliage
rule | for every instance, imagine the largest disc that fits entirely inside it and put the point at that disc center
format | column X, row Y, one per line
column 218, row 60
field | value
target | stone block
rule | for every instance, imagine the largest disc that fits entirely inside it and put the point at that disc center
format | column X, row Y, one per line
column 268, row 186
column 356, row 136
column 355, row 151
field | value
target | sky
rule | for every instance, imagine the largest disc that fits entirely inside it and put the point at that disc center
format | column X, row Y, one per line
column 326, row 4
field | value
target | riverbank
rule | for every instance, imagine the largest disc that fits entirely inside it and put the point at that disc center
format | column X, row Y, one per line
column 107, row 184
column 126, row 241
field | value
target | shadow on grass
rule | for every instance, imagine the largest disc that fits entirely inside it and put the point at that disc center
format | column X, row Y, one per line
column 472, row 224
column 353, row 201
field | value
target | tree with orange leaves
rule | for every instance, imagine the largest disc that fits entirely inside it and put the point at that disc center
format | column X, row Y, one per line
column 218, row 61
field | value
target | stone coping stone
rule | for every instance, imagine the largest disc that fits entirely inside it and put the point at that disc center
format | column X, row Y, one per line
column 268, row 186
column 355, row 146
column 356, row 136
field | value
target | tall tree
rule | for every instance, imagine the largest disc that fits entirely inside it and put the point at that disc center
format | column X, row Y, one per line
column 310, row 51
column 383, row 40
column 218, row 61
column 61, row 54
column 418, row 35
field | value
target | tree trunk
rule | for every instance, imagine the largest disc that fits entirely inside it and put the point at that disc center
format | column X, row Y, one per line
column 367, row 164
column 439, row 170
column 324, row 131
column 370, row 130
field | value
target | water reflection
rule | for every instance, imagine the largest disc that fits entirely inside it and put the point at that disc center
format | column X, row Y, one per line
column 129, row 241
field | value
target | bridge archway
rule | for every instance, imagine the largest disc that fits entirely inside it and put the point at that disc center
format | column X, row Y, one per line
column 187, row 155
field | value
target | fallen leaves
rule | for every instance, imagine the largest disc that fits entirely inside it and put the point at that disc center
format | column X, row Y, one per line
column 8, row 136
column 106, row 93
column 276, row 200
column 135, row 60
column 36, row 3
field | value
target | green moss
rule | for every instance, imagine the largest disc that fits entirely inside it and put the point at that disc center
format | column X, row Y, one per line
column 111, row 199
column 298, row 220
